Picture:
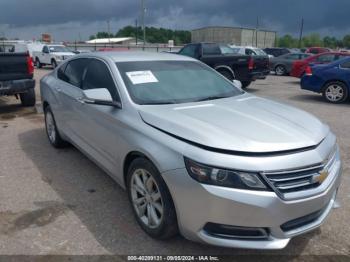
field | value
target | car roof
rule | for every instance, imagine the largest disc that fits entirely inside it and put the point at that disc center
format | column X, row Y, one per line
column 131, row 56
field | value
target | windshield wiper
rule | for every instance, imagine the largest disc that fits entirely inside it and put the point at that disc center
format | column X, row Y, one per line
column 210, row 98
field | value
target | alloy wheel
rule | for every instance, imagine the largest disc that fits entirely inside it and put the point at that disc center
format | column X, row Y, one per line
column 334, row 93
column 50, row 127
column 146, row 198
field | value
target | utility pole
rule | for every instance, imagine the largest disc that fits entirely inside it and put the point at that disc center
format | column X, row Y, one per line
column 109, row 32
column 137, row 30
column 143, row 11
column 256, row 31
column 301, row 31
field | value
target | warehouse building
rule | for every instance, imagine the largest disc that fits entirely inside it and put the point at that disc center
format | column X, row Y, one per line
column 234, row 35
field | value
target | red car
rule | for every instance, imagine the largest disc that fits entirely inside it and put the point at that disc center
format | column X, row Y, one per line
column 299, row 66
column 317, row 50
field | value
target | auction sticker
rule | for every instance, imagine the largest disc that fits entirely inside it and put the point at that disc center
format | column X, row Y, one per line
column 141, row 77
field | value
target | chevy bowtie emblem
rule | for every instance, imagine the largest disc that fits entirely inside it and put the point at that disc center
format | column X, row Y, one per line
column 320, row 177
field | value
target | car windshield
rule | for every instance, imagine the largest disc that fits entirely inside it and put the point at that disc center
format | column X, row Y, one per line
column 58, row 48
column 172, row 82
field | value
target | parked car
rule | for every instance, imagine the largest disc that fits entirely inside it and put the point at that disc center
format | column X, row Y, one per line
column 225, row 60
column 282, row 65
column 195, row 152
column 299, row 66
column 277, row 51
column 318, row 50
column 16, row 77
column 51, row 55
column 331, row 80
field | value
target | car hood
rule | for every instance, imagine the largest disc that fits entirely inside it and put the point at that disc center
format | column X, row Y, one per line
column 243, row 123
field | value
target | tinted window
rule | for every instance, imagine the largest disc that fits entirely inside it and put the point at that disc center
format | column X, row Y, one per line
column 249, row 52
column 74, row 71
column 345, row 65
column 45, row 49
column 325, row 58
column 211, row 49
column 189, row 50
column 98, row 76
column 60, row 73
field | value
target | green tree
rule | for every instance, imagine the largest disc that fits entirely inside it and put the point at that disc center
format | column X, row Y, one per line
column 346, row 41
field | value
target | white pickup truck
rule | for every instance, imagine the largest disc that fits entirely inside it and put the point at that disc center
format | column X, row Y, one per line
column 51, row 55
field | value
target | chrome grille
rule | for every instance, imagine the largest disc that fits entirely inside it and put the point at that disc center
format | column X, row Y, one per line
column 291, row 181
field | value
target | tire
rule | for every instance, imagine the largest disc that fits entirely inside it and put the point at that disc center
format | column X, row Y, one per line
column 245, row 84
column 37, row 63
column 165, row 225
column 52, row 131
column 227, row 74
column 28, row 98
column 280, row 70
column 54, row 63
column 335, row 92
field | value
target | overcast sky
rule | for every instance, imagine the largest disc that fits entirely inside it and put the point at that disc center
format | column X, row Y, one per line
column 77, row 19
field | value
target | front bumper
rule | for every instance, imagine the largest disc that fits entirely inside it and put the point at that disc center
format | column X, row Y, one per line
column 198, row 204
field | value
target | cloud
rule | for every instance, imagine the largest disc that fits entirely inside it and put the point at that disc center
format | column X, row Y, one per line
column 75, row 19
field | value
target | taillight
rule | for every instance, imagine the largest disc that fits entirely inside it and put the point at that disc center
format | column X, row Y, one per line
column 308, row 71
column 251, row 64
column 30, row 65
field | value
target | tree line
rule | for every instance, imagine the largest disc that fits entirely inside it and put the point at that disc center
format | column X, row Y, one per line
column 153, row 35
column 313, row 40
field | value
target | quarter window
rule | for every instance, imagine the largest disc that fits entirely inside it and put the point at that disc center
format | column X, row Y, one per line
column 74, row 71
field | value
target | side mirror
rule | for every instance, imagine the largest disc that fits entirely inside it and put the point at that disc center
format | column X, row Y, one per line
column 237, row 83
column 99, row 96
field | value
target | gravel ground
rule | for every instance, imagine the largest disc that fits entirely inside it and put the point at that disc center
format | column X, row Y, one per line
column 58, row 202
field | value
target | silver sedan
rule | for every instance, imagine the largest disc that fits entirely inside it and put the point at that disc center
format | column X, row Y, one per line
column 196, row 154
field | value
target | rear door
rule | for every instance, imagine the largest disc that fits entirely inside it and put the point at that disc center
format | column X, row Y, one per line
column 69, row 92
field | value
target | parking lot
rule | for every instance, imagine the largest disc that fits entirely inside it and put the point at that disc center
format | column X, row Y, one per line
column 59, row 202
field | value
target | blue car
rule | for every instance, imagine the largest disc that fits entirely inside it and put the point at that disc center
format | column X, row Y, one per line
column 332, row 80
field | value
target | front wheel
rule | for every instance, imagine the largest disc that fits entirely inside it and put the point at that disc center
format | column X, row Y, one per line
column 335, row 92
column 280, row 70
column 37, row 63
column 54, row 64
column 227, row 74
column 151, row 201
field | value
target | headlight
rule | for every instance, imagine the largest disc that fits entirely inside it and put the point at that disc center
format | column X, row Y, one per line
column 224, row 177
column 59, row 57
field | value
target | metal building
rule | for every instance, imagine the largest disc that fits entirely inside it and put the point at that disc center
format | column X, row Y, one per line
column 234, row 35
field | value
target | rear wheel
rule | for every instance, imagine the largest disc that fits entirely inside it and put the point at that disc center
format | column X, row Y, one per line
column 227, row 74
column 51, row 129
column 245, row 84
column 280, row 70
column 28, row 98
column 150, row 199
column 335, row 92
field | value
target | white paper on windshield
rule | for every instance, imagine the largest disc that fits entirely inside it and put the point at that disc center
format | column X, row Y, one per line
column 141, row 77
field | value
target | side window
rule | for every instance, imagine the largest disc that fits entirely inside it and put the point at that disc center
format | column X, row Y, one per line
column 98, row 76
column 74, row 71
column 345, row 65
column 211, row 49
column 249, row 52
column 60, row 73
column 325, row 58
column 46, row 49
column 303, row 56
column 189, row 50
column 292, row 57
